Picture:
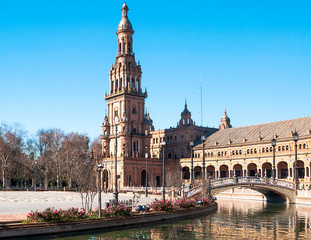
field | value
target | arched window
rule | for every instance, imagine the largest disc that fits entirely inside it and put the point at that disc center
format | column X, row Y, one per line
column 263, row 150
column 129, row 47
column 287, row 147
column 267, row 149
column 299, row 146
column 119, row 47
column 279, row 148
column 240, row 152
column 283, row 148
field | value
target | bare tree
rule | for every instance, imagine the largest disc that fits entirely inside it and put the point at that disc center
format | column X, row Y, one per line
column 85, row 179
column 57, row 138
column 42, row 143
column 74, row 149
column 11, row 147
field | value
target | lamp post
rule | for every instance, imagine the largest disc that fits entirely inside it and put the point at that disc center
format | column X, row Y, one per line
column 115, row 192
column 191, row 170
column 163, row 172
column 99, row 169
column 273, row 143
column 146, row 183
column 203, row 165
column 295, row 138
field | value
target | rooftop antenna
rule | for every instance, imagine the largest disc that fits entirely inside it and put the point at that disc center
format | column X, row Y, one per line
column 201, row 89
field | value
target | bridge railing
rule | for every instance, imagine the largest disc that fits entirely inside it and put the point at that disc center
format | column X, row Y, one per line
column 193, row 191
column 261, row 180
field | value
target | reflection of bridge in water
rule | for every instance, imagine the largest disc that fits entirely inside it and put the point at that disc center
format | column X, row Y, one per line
column 273, row 190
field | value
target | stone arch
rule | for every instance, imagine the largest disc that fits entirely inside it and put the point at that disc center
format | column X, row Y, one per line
column 301, row 169
column 143, row 174
column 282, row 170
column 185, row 173
column 210, row 171
column 238, row 169
column 266, row 169
column 272, row 195
column 197, row 172
column 252, row 169
column 224, row 171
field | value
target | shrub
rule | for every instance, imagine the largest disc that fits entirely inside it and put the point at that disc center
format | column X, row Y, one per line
column 204, row 201
column 54, row 215
column 160, row 205
column 114, row 211
column 185, row 203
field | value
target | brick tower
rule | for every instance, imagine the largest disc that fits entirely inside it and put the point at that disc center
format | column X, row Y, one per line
column 126, row 100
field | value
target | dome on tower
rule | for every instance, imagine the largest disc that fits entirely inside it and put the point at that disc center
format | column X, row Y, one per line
column 125, row 23
column 186, row 111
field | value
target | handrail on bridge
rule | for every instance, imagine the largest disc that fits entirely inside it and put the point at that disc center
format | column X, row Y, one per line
column 263, row 180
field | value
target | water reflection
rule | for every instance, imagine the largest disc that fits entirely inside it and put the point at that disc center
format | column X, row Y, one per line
column 233, row 220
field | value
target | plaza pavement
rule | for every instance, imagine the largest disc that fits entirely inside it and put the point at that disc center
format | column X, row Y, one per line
column 14, row 205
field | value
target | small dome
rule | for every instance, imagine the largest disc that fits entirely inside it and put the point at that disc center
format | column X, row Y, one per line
column 186, row 111
column 125, row 24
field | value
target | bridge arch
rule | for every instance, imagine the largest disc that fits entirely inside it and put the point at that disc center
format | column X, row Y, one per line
column 274, row 191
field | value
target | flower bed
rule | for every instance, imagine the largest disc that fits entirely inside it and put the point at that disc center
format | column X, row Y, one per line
column 160, row 205
column 55, row 215
column 71, row 214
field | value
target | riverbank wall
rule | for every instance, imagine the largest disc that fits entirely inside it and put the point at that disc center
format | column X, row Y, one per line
column 303, row 196
column 22, row 230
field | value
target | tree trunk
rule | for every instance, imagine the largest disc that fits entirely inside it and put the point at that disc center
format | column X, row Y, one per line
column 46, row 181
column 4, row 182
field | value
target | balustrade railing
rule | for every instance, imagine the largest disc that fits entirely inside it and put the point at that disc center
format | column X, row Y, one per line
column 262, row 180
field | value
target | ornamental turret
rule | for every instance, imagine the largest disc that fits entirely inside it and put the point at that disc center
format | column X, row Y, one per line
column 225, row 121
column 185, row 119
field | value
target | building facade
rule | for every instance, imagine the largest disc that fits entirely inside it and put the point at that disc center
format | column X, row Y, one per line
column 248, row 151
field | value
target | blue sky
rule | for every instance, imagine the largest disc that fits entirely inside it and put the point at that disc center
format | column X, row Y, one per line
column 252, row 57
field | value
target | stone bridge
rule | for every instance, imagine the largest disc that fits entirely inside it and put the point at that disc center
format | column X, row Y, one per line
column 273, row 190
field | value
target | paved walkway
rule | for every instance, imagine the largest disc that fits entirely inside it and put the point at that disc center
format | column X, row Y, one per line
column 14, row 205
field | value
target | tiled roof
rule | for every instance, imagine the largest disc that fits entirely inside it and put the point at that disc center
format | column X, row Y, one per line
column 251, row 134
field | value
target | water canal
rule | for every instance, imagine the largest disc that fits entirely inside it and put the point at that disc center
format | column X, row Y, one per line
column 233, row 220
